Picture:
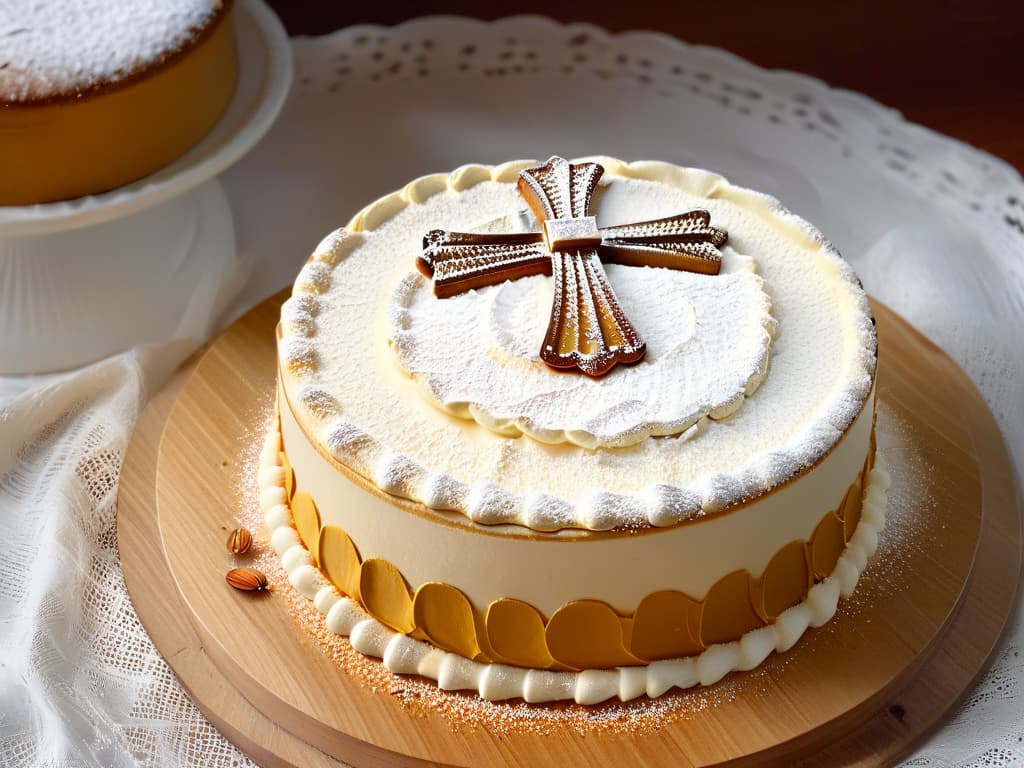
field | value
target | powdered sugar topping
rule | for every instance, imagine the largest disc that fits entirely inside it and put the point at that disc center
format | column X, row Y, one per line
column 335, row 331
column 51, row 47
column 475, row 355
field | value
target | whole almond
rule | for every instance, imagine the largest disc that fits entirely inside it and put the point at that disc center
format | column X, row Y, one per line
column 246, row 579
column 239, row 541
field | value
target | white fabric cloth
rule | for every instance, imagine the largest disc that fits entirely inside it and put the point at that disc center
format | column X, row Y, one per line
column 80, row 682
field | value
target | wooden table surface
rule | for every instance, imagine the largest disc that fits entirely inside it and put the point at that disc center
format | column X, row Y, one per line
column 956, row 66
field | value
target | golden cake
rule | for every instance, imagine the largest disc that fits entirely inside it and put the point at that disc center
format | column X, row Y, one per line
column 574, row 430
column 95, row 94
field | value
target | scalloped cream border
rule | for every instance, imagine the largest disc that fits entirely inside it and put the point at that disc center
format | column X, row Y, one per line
column 495, row 682
column 486, row 503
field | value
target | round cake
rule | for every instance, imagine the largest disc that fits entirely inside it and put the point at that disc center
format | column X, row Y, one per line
column 574, row 430
column 95, row 94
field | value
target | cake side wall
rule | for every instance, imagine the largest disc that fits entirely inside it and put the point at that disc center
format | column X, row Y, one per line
column 473, row 668
column 549, row 570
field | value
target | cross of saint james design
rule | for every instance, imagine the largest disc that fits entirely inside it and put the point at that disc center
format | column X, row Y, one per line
column 588, row 329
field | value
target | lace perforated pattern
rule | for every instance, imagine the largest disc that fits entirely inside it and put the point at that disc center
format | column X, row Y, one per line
column 81, row 682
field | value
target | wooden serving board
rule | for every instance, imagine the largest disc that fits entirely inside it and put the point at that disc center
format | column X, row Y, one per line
column 860, row 691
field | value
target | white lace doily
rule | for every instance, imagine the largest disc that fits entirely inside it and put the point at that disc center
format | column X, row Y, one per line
column 935, row 229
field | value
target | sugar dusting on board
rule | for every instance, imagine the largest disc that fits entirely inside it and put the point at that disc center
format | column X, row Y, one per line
column 460, row 709
column 465, row 710
column 910, row 529
column 52, row 47
column 913, row 523
column 916, row 525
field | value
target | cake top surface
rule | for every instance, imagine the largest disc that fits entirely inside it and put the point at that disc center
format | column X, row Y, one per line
column 50, row 48
column 444, row 401
column 704, row 338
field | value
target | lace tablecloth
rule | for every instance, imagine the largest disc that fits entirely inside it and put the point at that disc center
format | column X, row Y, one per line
column 935, row 229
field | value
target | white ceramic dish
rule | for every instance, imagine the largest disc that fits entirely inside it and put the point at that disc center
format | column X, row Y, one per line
column 84, row 278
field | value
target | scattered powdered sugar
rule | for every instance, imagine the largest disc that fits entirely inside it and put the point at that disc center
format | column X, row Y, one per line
column 465, row 711
column 336, row 614
column 51, row 47
column 912, row 520
column 907, row 524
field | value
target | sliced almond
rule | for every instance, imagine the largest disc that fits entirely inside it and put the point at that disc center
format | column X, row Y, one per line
column 246, row 579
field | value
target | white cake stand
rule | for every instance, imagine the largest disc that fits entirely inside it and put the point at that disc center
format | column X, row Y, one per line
column 84, row 278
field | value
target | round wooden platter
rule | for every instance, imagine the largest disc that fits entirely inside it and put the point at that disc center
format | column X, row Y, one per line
column 860, row 691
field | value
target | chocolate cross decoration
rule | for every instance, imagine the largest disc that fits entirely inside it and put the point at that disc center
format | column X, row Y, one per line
column 588, row 329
